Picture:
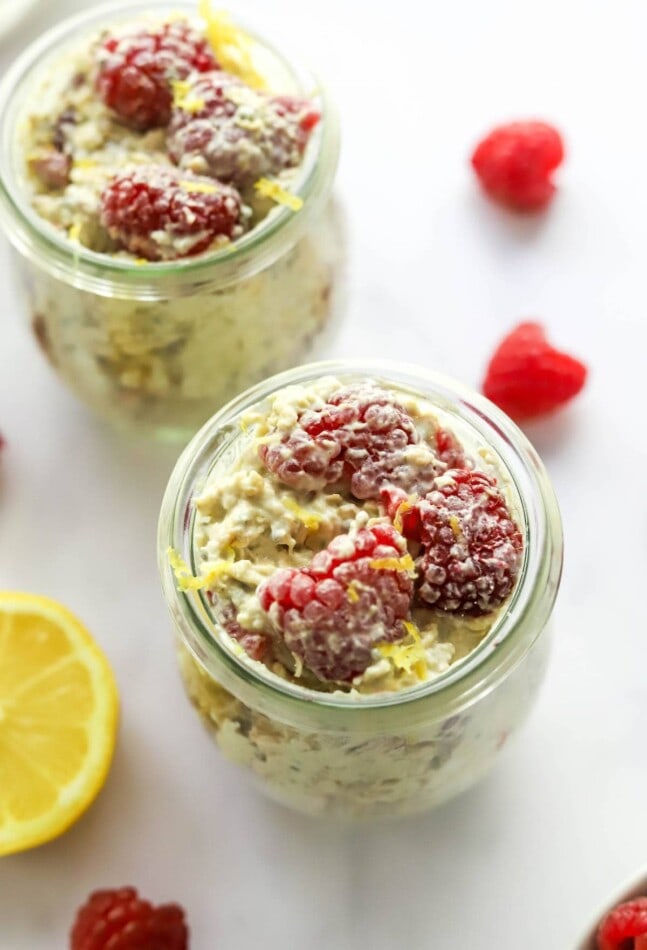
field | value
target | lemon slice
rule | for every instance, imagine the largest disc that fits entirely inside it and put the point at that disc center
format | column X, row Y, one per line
column 58, row 719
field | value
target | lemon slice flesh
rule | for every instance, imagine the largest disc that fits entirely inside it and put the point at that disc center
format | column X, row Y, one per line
column 58, row 720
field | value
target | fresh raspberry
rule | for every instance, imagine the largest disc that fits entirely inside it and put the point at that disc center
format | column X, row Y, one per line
column 331, row 613
column 361, row 432
column 449, row 450
column 402, row 509
column 238, row 134
column 136, row 70
column 121, row 920
column 528, row 377
column 470, row 546
column 161, row 214
column 254, row 644
column 622, row 925
column 514, row 164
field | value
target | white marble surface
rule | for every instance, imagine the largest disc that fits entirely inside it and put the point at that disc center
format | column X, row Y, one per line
column 437, row 276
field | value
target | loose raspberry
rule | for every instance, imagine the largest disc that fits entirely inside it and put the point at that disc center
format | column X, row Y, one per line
column 514, row 164
column 471, row 547
column 121, row 920
column 161, row 214
column 238, row 134
column 361, row 433
column 622, row 925
column 136, row 70
column 528, row 377
column 332, row 613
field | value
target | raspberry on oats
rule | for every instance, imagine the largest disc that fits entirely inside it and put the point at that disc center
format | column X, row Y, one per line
column 528, row 377
column 135, row 70
column 237, row 134
column 624, row 926
column 515, row 162
column 470, row 545
column 161, row 214
column 361, row 432
column 120, row 920
column 353, row 595
column 255, row 645
column 449, row 449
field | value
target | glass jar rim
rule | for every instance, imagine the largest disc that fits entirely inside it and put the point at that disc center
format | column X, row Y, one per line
column 500, row 650
column 112, row 276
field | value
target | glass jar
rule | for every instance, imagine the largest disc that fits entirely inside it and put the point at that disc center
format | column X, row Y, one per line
column 162, row 345
column 383, row 754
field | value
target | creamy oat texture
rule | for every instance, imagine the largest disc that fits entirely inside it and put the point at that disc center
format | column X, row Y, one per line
column 167, row 361
column 247, row 525
column 250, row 524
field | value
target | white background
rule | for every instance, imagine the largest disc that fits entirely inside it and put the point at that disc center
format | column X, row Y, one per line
column 437, row 276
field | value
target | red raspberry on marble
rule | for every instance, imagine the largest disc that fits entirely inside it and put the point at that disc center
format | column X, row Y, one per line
column 515, row 162
column 333, row 612
column 624, row 926
column 237, row 134
column 528, row 377
column 135, row 70
column 121, row 920
column 361, row 432
column 161, row 214
column 470, row 545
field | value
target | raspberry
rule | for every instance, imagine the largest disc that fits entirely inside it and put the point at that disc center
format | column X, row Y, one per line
column 528, row 377
column 622, row 924
column 254, row 644
column 157, row 213
column 449, row 450
column 331, row 613
column 470, row 546
column 237, row 134
column 136, row 70
column 361, row 433
column 121, row 920
column 514, row 164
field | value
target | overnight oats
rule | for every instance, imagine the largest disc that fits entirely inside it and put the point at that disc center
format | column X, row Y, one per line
column 361, row 562
column 167, row 183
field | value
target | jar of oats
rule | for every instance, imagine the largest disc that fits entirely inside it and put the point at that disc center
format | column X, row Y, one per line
column 361, row 560
column 166, row 186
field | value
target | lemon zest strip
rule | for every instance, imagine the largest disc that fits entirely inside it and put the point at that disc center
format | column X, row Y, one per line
column 402, row 508
column 200, row 186
column 409, row 656
column 352, row 594
column 404, row 563
column 231, row 45
column 83, row 163
column 183, row 97
column 309, row 520
column 272, row 189
column 455, row 525
column 187, row 581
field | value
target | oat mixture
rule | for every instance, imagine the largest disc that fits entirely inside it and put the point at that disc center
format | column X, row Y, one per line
column 154, row 141
column 355, row 499
column 352, row 544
